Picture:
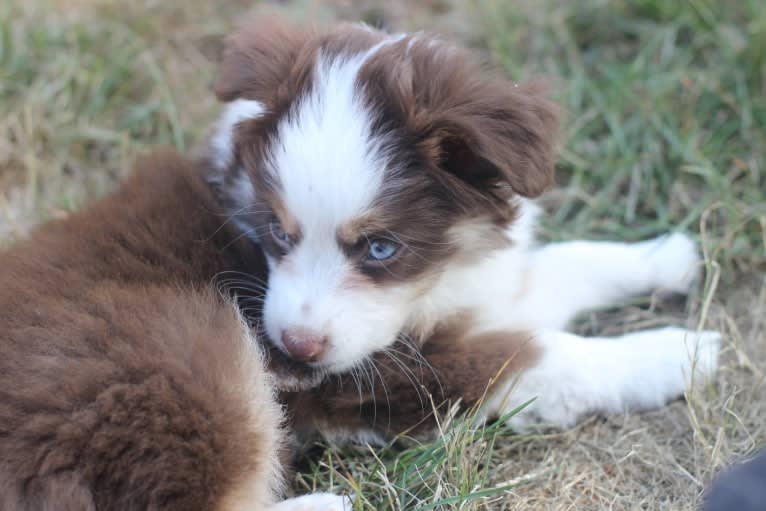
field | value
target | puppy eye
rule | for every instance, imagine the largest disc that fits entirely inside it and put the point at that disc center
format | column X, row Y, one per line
column 380, row 249
column 282, row 239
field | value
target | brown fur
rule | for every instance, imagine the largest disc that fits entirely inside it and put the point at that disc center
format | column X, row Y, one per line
column 483, row 138
column 125, row 380
column 454, row 365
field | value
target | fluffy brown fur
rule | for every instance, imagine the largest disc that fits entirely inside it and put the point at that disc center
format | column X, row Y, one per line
column 126, row 381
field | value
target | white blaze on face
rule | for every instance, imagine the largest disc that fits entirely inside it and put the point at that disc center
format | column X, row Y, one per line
column 330, row 170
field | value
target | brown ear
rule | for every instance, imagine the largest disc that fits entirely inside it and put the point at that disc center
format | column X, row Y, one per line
column 266, row 58
column 499, row 133
column 486, row 131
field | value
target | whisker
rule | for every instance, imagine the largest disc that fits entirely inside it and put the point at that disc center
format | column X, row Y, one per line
column 248, row 276
column 230, row 216
column 358, row 385
column 371, row 382
column 242, row 286
column 409, row 374
column 423, row 361
column 247, row 233
column 385, row 390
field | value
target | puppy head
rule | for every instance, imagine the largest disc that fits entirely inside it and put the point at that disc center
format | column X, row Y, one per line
column 362, row 163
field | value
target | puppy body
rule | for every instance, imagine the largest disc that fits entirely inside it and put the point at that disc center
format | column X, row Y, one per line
column 390, row 183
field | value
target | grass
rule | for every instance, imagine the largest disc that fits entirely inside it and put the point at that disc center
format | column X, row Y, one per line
column 666, row 129
column 666, row 116
column 450, row 472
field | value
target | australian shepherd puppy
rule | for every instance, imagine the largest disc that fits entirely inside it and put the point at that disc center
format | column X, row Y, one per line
column 389, row 183
column 355, row 248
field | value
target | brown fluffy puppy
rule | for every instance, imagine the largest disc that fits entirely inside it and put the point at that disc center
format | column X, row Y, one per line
column 126, row 381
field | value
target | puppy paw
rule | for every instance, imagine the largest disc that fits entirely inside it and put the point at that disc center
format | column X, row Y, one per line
column 703, row 348
column 675, row 262
column 695, row 353
column 315, row 502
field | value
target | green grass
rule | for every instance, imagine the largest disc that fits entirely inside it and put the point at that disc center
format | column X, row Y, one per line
column 448, row 472
column 667, row 115
column 665, row 129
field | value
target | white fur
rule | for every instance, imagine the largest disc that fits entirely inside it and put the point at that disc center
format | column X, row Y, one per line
column 541, row 289
column 330, row 169
column 326, row 161
column 578, row 375
column 222, row 139
column 564, row 279
column 529, row 287
column 315, row 502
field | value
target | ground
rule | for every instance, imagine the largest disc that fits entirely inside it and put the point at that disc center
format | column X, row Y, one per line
column 666, row 128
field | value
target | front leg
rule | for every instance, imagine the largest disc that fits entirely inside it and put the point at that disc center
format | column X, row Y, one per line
column 576, row 375
column 567, row 278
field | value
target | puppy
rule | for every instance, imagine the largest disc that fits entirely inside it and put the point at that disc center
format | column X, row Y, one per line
column 389, row 183
column 365, row 203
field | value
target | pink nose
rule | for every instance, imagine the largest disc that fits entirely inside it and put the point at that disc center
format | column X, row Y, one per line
column 304, row 345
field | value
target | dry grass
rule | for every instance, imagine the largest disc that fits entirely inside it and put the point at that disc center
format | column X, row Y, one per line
column 667, row 105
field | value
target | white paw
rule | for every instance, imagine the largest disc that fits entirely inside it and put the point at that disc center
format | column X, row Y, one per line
column 703, row 348
column 695, row 353
column 315, row 502
column 675, row 262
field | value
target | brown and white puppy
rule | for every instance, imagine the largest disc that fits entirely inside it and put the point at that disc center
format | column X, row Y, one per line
column 388, row 181
column 366, row 166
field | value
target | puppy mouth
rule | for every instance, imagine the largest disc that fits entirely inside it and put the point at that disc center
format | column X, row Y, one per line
column 288, row 374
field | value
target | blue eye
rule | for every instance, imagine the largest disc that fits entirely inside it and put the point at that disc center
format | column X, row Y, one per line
column 280, row 236
column 381, row 249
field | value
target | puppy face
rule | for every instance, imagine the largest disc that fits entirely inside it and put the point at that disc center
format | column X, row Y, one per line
column 362, row 162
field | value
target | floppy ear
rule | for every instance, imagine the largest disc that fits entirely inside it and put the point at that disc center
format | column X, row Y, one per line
column 489, row 132
column 502, row 133
column 263, row 60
